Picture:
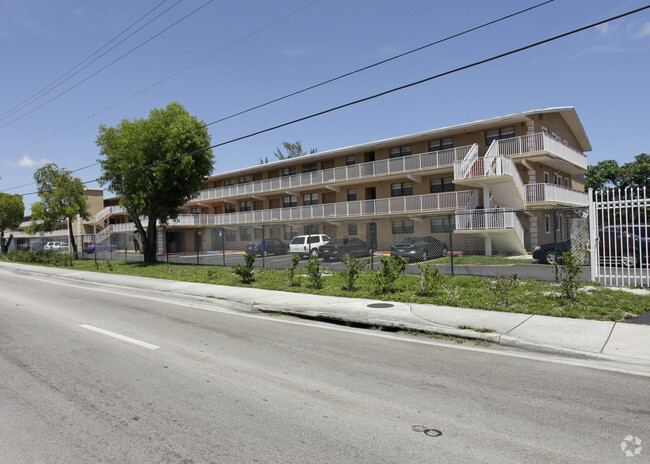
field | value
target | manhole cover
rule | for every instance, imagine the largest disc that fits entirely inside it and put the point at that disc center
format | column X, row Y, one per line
column 380, row 305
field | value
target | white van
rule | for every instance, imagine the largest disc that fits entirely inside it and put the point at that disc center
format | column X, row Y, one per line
column 304, row 245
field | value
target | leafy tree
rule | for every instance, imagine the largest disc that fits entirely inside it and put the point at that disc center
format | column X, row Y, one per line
column 157, row 165
column 293, row 150
column 12, row 210
column 608, row 174
column 62, row 197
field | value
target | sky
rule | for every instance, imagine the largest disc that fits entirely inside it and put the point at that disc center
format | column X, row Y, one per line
column 218, row 58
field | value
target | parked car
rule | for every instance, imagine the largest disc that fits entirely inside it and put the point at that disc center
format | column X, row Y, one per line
column 419, row 248
column 550, row 253
column 268, row 246
column 344, row 247
column 627, row 246
column 55, row 246
column 304, row 245
column 99, row 247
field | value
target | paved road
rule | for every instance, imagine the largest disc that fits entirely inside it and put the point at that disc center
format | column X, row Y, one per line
column 218, row 386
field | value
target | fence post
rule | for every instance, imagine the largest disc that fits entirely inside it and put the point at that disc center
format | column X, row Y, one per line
column 555, row 244
column 223, row 245
column 197, row 246
column 451, row 243
column 263, row 248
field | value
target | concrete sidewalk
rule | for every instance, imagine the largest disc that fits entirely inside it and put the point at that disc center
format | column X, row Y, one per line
column 614, row 341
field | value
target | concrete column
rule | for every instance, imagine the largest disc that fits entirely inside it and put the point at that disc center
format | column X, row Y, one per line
column 534, row 239
column 488, row 246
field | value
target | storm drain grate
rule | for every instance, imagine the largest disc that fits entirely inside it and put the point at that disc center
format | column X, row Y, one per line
column 380, row 305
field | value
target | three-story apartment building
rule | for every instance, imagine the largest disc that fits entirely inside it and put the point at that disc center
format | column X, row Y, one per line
column 486, row 181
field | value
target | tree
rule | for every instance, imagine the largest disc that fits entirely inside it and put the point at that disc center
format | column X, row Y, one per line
column 62, row 196
column 12, row 210
column 293, row 150
column 608, row 174
column 156, row 165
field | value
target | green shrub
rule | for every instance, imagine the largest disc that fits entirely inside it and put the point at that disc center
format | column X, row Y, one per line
column 430, row 279
column 568, row 273
column 246, row 272
column 48, row 258
column 314, row 272
column 353, row 267
column 392, row 267
column 291, row 271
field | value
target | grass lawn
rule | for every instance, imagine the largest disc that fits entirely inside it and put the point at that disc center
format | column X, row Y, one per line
column 525, row 296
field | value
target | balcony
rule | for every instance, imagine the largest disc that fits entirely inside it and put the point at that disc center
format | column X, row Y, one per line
column 551, row 193
column 402, row 165
column 385, row 206
column 106, row 212
column 500, row 225
column 542, row 144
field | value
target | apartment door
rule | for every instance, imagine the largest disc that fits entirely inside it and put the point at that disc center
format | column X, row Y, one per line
column 371, row 193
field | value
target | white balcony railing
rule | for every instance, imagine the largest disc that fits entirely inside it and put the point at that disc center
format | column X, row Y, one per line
column 416, row 162
column 539, row 143
column 106, row 212
column 490, row 219
column 407, row 204
column 540, row 193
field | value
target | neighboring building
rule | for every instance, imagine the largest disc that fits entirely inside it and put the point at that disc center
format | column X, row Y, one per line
column 475, row 178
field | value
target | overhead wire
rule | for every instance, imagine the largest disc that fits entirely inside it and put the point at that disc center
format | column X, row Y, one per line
column 48, row 88
column 108, row 65
column 305, row 89
column 386, row 92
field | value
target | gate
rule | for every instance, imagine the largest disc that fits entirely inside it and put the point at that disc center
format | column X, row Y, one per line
column 619, row 233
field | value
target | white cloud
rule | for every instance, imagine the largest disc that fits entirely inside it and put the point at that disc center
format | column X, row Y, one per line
column 27, row 162
column 607, row 28
column 643, row 31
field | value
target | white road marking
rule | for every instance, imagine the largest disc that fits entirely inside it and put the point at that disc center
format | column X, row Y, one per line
column 597, row 364
column 121, row 337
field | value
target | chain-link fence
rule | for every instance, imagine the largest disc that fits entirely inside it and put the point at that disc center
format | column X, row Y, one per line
column 485, row 243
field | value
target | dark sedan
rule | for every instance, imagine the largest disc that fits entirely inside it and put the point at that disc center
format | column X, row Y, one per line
column 419, row 248
column 344, row 247
column 552, row 252
column 268, row 246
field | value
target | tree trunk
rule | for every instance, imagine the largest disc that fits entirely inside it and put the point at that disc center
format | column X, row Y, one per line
column 148, row 239
column 3, row 245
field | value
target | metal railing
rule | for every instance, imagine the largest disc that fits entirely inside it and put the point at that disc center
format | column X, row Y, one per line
column 542, row 192
column 490, row 219
column 410, row 163
column 538, row 143
column 106, row 212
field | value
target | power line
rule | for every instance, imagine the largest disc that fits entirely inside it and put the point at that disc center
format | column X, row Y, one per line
column 108, row 65
column 48, row 88
column 386, row 92
column 289, row 95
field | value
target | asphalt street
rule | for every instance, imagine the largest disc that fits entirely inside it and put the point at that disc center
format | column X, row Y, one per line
column 92, row 374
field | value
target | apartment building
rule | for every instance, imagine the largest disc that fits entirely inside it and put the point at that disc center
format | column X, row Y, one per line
column 482, row 184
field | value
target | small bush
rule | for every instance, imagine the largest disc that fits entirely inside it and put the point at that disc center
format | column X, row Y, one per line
column 314, row 272
column 430, row 279
column 291, row 271
column 48, row 258
column 392, row 267
column 353, row 267
column 502, row 286
column 568, row 273
column 246, row 272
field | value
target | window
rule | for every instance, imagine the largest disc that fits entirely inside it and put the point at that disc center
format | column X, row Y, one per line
column 403, row 226
column 498, row 134
column 182, row 211
column 289, row 202
column 547, row 224
column 310, row 199
column 228, row 182
column 547, row 177
column 196, row 210
column 311, row 229
column 245, row 234
column 245, row 206
column 244, row 179
column 401, row 188
column 350, row 160
column 289, row 171
column 557, row 179
column 352, row 229
column 352, row 194
column 230, row 208
column 309, row 167
column 443, row 184
column 230, row 235
column 400, row 151
column 567, row 182
column 441, row 144
column 290, row 232
column 442, row 224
